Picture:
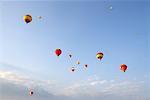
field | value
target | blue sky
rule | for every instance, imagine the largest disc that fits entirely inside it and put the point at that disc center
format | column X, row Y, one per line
column 81, row 28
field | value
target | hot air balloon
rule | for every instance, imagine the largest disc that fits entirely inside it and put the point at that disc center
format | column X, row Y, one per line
column 85, row 65
column 72, row 69
column 30, row 92
column 40, row 17
column 70, row 55
column 78, row 62
column 99, row 55
column 123, row 67
column 58, row 52
column 27, row 18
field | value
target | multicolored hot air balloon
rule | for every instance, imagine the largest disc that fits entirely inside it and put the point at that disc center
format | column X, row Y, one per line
column 27, row 18
column 58, row 52
column 99, row 55
column 123, row 67
column 30, row 92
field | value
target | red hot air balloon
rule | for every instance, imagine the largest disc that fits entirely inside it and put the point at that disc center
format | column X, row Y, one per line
column 58, row 52
column 123, row 67
column 30, row 92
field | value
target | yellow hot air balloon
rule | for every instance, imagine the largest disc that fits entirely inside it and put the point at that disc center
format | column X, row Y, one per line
column 27, row 18
column 78, row 62
column 99, row 55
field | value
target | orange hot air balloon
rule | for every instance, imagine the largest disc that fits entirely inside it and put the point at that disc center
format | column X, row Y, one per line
column 30, row 92
column 99, row 55
column 58, row 52
column 123, row 67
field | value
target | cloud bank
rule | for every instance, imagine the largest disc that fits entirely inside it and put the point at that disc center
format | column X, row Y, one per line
column 16, row 87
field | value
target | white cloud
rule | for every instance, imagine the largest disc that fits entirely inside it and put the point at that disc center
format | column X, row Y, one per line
column 26, row 81
column 15, row 78
column 91, row 87
column 101, row 88
column 98, row 82
column 112, row 81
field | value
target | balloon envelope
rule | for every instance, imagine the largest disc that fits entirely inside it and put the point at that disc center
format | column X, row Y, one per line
column 30, row 93
column 85, row 65
column 72, row 69
column 40, row 17
column 70, row 55
column 99, row 55
column 78, row 62
column 58, row 52
column 27, row 18
column 123, row 67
